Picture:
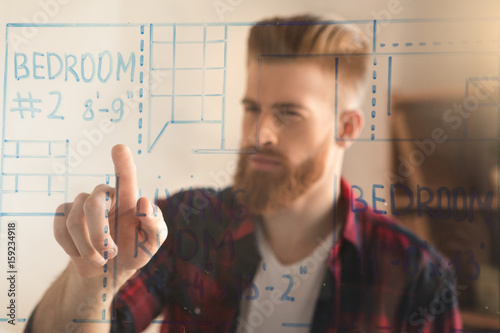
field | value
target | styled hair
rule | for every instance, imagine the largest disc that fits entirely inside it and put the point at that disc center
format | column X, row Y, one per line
column 312, row 38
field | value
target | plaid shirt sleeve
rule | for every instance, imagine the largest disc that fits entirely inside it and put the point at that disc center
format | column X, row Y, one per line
column 141, row 299
column 145, row 295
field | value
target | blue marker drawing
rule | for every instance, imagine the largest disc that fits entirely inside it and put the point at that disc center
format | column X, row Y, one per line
column 52, row 72
column 389, row 86
column 26, row 104
column 106, row 66
column 175, row 71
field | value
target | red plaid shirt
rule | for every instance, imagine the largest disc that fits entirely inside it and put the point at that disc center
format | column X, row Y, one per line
column 381, row 278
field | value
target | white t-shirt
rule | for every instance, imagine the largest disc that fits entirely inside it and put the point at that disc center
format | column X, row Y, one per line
column 283, row 297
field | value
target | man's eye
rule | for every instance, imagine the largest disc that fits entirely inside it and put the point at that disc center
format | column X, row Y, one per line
column 288, row 112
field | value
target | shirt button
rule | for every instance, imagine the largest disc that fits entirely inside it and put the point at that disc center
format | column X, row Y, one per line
column 197, row 310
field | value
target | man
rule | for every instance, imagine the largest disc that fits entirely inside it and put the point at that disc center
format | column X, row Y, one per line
column 285, row 249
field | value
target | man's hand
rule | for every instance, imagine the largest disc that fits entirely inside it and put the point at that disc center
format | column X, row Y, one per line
column 109, row 223
column 92, row 230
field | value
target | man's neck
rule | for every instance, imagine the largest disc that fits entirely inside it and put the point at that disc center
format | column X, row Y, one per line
column 294, row 232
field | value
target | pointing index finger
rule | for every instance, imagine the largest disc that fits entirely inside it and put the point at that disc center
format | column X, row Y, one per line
column 126, row 175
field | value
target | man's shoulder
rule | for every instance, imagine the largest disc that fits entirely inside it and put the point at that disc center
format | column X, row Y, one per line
column 375, row 228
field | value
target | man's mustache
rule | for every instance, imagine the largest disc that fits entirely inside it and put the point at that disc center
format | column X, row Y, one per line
column 268, row 152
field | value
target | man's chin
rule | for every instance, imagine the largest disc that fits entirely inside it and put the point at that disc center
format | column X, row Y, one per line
column 265, row 196
column 268, row 188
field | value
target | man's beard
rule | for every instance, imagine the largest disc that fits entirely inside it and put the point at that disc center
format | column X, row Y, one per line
column 268, row 191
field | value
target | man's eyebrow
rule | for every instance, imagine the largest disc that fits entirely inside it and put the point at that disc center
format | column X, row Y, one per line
column 277, row 105
column 291, row 105
column 248, row 101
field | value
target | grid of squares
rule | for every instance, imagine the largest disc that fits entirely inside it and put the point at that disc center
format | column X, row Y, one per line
column 194, row 56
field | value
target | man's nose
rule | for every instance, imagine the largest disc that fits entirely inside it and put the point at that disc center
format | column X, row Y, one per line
column 267, row 130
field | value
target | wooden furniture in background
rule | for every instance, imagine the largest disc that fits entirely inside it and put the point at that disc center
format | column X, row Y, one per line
column 465, row 159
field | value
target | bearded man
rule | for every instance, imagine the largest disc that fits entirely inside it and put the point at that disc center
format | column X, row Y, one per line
column 286, row 249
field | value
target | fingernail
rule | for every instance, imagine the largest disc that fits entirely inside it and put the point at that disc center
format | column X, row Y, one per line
column 100, row 262
column 111, row 253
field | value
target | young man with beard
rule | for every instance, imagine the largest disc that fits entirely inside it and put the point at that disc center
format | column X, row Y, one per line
column 285, row 249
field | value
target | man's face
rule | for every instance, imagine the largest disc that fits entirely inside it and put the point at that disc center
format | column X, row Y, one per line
column 289, row 120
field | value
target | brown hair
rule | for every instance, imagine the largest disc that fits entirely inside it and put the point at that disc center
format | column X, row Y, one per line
column 312, row 38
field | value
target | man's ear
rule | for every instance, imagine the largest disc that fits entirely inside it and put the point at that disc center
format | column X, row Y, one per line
column 350, row 126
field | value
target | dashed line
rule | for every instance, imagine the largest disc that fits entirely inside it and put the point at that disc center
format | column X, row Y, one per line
column 389, row 79
column 105, row 255
column 437, row 43
column 374, row 99
column 141, row 90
